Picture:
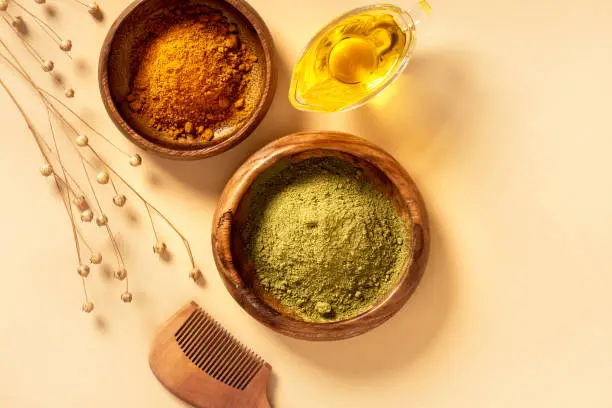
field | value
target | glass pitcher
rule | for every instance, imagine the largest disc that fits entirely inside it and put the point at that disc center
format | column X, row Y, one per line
column 355, row 57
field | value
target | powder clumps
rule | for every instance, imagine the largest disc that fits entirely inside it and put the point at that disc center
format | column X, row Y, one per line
column 323, row 240
column 190, row 73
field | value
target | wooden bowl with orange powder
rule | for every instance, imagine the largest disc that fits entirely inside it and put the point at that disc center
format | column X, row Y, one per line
column 187, row 80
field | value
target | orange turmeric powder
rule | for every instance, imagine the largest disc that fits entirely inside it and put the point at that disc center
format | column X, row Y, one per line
column 190, row 73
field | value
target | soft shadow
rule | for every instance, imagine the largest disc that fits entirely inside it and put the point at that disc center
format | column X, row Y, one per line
column 101, row 324
column 107, row 272
column 201, row 281
column 210, row 175
column 122, row 246
column 57, row 190
column 132, row 215
column 50, row 11
column 428, row 109
column 58, row 79
column 82, row 66
column 166, row 256
column 405, row 337
column 272, row 388
column 146, row 308
column 154, row 179
column 98, row 15
column 89, row 114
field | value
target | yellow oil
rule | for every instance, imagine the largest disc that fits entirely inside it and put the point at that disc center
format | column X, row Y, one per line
column 352, row 59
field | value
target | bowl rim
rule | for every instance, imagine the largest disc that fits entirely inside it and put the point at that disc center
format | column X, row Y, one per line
column 239, row 135
column 267, row 156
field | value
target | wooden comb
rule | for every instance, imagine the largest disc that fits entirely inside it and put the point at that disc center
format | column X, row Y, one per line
column 201, row 363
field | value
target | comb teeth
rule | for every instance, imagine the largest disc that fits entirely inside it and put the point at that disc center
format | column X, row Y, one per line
column 216, row 352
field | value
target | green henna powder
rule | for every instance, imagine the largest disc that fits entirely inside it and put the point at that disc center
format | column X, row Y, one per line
column 323, row 240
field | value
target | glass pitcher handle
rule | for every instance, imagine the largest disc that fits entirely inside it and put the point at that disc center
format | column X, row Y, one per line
column 419, row 11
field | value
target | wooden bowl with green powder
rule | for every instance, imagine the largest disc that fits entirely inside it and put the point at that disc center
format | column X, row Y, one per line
column 321, row 236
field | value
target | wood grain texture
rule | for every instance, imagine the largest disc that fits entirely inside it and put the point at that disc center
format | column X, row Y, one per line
column 186, row 380
column 114, row 76
column 236, row 268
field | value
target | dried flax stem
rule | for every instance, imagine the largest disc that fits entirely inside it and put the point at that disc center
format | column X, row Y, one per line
column 152, row 223
column 67, row 203
column 67, row 185
column 84, row 122
column 34, row 134
column 149, row 205
column 45, row 27
column 26, row 44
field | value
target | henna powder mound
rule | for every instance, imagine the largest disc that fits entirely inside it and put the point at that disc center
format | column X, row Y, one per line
column 323, row 240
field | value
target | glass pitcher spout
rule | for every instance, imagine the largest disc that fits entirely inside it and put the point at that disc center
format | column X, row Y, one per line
column 355, row 57
column 419, row 11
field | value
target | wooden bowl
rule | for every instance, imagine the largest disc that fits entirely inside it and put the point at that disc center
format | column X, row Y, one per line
column 114, row 76
column 230, row 217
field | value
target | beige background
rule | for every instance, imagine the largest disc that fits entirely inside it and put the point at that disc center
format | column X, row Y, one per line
column 502, row 118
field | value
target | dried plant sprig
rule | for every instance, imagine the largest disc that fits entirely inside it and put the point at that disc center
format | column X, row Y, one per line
column 71, row 191
column 87, row 305
column 65, row 106
column 46, row 65
column 83, row 269
column 16, row 22
column 102, row 178
column 115, row 173
column 64, row 44
column 12, row 23
column 93, row 8
column 126, row 295
column 87, row 215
